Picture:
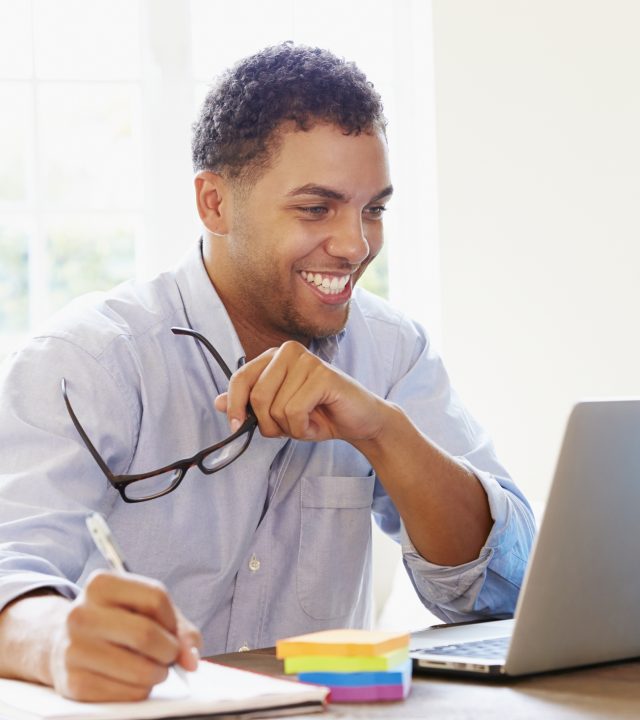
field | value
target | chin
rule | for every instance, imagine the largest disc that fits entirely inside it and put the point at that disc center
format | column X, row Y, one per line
column 301, row 327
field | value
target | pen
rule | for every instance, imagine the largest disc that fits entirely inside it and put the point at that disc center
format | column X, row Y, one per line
column 102, row 537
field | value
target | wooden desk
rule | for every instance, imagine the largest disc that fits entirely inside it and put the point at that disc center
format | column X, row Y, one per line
column 610, row 691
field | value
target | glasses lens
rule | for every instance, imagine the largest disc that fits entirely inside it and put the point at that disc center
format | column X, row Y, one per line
column 150, row 487
column 226, row 454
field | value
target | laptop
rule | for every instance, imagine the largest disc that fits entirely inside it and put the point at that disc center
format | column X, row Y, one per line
column 580, row 599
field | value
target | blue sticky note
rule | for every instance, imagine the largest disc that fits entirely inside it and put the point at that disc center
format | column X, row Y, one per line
column 399, row 675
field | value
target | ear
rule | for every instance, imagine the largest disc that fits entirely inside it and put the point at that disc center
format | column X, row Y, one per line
column 213, row 198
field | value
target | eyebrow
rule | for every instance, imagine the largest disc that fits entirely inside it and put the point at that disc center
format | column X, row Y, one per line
column 386, row 193
column 329, row 194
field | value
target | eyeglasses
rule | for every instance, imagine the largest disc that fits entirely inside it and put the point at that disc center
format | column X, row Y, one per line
column 155, row 484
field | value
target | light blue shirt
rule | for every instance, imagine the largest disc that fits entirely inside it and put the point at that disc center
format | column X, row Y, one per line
column 276, row 544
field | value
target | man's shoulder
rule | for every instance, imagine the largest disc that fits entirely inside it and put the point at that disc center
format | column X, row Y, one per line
column 380, row 315
column 128, row 312
column 380, row 342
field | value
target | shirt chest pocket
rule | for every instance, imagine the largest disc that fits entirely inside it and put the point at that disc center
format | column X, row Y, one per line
column 335, row 543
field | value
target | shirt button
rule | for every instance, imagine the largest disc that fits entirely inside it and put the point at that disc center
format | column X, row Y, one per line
column 243, row 648
column 254, row 564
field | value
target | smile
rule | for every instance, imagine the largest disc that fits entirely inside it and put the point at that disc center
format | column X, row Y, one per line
column 326, row 284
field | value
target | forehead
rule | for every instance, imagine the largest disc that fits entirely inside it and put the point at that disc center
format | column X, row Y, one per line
column 356, row 165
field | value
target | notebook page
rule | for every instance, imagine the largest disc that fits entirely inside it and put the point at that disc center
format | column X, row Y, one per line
column 213, row 688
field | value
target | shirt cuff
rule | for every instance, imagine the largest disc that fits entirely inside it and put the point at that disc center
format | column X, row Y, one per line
column 22, row 583
column 441, row 585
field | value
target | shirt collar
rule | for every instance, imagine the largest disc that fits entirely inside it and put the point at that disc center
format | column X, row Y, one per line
column 204, row 310
column 327, row 348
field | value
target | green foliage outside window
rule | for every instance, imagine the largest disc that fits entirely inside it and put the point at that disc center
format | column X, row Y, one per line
column 376, row 276
column 14, row 309
column 85, row 258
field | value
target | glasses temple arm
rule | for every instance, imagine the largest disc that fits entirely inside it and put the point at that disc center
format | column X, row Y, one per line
column 83, row 434
column 188, row 331
column 223, row 365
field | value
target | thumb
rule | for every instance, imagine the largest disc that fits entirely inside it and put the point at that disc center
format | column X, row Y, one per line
column 220, row 403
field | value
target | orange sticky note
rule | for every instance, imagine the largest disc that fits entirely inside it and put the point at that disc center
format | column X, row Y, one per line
column 342, row 643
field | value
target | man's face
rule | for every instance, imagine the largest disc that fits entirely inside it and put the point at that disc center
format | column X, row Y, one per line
column 304, row 232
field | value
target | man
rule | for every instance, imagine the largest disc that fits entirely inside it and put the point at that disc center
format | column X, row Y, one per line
column 354, row 409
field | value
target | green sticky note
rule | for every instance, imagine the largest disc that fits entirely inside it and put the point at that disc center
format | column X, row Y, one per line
column 337, row 663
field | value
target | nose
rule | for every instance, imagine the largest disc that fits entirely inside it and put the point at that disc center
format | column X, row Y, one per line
column 348, row 241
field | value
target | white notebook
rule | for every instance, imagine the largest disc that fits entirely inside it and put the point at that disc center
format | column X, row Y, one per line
column 211, row 689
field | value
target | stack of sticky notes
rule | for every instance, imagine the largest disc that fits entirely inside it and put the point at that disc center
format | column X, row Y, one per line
column 357, row 665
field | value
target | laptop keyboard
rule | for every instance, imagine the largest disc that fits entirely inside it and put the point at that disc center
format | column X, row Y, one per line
column 491, row 648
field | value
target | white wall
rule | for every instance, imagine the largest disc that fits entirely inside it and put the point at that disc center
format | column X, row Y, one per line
column 538, row 142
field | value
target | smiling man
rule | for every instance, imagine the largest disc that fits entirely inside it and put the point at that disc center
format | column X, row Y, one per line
column 286, row 254
column 252, row 534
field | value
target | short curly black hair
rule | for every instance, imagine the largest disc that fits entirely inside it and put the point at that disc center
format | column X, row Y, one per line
column 236, row 131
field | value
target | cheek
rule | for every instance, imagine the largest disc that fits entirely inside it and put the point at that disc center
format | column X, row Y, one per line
column 304, row 241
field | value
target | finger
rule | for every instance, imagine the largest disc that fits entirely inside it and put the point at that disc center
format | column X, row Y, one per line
column 306, row 413
column 241, row 385
column 300, row 404
column 293, row 393
column 142, row 595
column 220, row 403
column 282, row 377
column 121, row 626
column 115, row 663
column 326, row 406
column 87, row 686
column 265, row 393
column 188, row 658
column 190, row 641
column 188, row 633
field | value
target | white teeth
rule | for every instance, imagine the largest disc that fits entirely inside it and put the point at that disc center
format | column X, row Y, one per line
column 328, row 285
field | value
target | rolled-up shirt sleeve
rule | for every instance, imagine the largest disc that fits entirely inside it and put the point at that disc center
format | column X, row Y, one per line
column 488, row 585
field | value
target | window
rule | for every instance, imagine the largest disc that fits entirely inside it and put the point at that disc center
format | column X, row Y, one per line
column 98, row 97
column 70, row 190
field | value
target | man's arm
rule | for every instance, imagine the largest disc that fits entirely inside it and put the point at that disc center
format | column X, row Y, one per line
column 442, row 504
column 26, row 628
column 115, row 641
column 294, row 393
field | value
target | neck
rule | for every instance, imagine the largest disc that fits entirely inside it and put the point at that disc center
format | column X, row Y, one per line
column 255, row 339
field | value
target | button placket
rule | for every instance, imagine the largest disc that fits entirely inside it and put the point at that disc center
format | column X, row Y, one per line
column 252, row 580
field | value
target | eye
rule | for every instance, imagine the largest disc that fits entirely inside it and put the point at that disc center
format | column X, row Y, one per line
column 375, row 211
column 314, row 210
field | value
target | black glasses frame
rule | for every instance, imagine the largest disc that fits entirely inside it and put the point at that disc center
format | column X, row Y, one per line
column 121, row 482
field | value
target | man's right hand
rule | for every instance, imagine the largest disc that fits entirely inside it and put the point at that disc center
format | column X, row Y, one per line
column 115, row 641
